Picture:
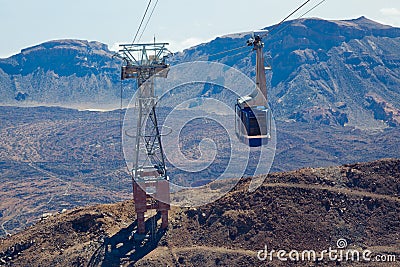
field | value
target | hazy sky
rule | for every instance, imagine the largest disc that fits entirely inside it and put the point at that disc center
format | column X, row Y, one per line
column 182, row 23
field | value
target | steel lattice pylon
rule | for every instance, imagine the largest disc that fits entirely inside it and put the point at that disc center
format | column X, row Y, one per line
column 143, row 62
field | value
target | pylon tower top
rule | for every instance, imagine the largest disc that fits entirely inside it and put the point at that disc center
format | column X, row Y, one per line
column 141, row 58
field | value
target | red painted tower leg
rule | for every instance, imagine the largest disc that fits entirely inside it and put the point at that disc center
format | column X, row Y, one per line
column 164, row 219
column 140, row 223
column 139, row 196
column 163, row 197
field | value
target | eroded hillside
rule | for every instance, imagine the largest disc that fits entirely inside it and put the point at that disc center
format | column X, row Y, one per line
column 308, row 209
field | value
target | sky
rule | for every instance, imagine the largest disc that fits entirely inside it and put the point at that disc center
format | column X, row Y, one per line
column 182, row 23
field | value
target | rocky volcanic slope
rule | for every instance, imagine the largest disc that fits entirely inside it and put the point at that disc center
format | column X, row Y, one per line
column 328, row 72
column 304, row 209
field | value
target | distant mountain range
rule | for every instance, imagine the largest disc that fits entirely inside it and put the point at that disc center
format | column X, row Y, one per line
column 324, row 72
column 69, row 73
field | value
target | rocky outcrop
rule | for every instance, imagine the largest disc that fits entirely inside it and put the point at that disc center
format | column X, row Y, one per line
column 383, row 110
column 321, row 115
column 64, row 72
column 14, row 251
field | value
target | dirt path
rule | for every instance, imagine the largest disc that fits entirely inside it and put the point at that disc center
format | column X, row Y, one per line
column 3, row 228
column 347, row 191
column 51, row 175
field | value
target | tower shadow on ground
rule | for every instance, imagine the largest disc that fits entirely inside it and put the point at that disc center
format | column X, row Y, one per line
column 127, row 247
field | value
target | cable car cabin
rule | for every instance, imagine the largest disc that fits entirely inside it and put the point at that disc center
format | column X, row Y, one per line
column 252, row 125
column 253, row 119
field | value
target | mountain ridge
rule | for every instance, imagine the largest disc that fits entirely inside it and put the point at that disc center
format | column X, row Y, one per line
column 66, row 73
column 341, row 72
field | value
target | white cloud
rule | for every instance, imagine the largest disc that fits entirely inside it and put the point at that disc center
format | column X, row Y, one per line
column 392, row 12
column 114, row 47
column 180, row 45
column 191, row 42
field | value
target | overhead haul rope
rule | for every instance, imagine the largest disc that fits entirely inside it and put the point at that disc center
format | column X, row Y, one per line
column 148, row 20
column 120, row 115
column 240, row 53
column 221, row 53
column 140, row 25
column 291, row 14
column 121, row 85
column 274, row 28
column 308, row 11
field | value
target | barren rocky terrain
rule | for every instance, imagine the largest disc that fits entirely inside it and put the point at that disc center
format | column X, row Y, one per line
column 307, row 209
column 53, row 158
